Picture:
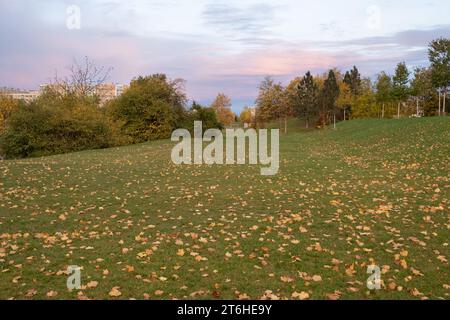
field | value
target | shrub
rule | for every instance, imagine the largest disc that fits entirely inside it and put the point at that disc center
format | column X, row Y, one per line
column 207, row 115
column 7, row 106
column 57, row 125
column 150, row 109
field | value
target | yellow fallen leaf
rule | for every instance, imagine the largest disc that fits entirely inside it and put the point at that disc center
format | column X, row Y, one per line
column 129, row 268
column 300, row 295
column 286, row 279
column 115, row 292
column 392, row 286
column 141, row 254
column 316, row 278
column 52, row 293
column 415, row 292
column 31, row 292
column 404, row 264
column 334, row 296
column 243, row 296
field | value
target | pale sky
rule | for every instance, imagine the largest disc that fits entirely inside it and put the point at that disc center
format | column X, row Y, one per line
column 216, row 46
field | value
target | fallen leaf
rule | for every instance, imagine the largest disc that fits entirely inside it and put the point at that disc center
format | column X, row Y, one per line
column 115, row 292
column 52, row 293
column 31, row 292
column 286, row 279
column 300, row 295
column 316, row 278
column 334, row 296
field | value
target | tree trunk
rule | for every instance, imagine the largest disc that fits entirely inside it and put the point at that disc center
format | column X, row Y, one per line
column 417, row 106
column 334, row 120
column 345, row 114
column 443, row 102
column 398, row 111
column 306, row 123
column 285, row 125
column 382, row 111
column 439, row 110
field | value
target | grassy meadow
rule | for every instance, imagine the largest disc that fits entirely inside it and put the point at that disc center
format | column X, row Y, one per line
column 370, row 192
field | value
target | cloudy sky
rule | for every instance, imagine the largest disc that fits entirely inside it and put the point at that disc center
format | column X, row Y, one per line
column 215, row 45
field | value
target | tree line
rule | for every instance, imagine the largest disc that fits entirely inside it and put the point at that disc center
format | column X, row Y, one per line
column 68, row 116
column 324, row 99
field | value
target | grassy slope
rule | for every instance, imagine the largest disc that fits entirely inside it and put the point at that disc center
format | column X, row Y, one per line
column 368, row 192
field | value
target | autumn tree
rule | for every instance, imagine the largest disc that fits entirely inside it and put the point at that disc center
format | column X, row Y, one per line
column 365, row 105
column 349, row 89
column 272, row 102
column 246, row 115
column 384, row 93
column 176, row 97
column 303, row 95
column 400, row 85
column 423, row 90
column 329, row 96
column 352, row 79
column 285, row 109
column 148, row 110
column 346, row 99
column 82, row 79
column 7, row 106
column 206, row 115
column 439, row 56
column 222, row 106
column 264, row 100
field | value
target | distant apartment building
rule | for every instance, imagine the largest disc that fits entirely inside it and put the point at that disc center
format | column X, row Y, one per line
column 26, row 96
column 105, row 91
column 120, row 88
column 108, row 91
column 54, row 87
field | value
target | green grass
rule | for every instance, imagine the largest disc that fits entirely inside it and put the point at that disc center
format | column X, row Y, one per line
column 367, row 193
